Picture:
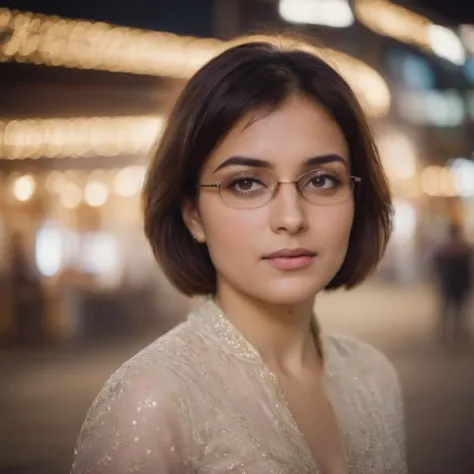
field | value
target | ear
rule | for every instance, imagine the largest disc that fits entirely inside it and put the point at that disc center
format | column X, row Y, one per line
column 192, row 219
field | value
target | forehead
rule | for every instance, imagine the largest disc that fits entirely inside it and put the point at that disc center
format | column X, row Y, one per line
column 297, row 130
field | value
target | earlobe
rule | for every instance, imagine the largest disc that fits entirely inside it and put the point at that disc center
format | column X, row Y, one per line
column 192, row 219
column 199, row 238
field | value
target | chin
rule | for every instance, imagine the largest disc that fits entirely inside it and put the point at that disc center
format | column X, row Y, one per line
column 289, row 292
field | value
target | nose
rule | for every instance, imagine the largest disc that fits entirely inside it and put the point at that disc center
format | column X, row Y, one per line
column 288, row 211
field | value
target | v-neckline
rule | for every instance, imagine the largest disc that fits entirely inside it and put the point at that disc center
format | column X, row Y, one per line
column 239, row 345
column 281, row 400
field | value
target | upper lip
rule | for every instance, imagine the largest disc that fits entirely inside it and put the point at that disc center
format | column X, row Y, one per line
column 290, row 253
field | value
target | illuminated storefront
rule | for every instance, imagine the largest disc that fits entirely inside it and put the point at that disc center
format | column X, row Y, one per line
column 71, row 175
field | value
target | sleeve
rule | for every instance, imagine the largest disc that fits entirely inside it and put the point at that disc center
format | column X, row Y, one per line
column 383, row 382
column 386, row 383
column 399, row 424
column 134, row 426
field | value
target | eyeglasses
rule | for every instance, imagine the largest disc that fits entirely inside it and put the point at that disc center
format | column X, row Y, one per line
column 248, row 190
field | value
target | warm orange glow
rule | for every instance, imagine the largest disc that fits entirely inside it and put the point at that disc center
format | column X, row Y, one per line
column 395, row 21
column 55, row 41
column 78, row 137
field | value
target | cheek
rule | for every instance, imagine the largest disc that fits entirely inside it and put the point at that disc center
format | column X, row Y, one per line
column 227, row 228
column 334, row 225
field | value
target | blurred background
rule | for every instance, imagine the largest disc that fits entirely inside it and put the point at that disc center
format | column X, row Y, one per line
column 84, row 88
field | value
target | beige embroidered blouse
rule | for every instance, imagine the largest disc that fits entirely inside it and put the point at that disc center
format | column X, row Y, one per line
column 201, row 400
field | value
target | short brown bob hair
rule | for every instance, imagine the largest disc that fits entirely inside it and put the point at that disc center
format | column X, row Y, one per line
column 247, row 77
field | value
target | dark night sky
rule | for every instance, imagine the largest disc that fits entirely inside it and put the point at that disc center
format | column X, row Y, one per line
column 194, row 16
column 454, row 11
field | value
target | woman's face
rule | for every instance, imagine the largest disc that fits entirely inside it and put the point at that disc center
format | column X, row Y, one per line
column 297, row 138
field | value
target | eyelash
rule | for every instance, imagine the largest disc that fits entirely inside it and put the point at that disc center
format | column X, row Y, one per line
column 235, row 181
column 324, row 174
column 335, row 179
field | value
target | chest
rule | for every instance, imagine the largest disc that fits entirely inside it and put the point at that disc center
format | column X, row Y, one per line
column 257, row 425
column 316, row 422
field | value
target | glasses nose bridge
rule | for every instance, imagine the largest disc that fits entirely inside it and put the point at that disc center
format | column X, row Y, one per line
column 277, row 185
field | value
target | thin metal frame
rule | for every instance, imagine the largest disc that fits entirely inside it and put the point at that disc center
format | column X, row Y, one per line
column 355, row 180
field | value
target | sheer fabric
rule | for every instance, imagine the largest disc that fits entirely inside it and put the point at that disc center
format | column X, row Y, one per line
column 201, row 400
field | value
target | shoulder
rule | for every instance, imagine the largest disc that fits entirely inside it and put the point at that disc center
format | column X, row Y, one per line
column 368, row 371
column 171, row 357
column 141, row 406
column 350, row 347
column 151, row 382
column 363, row 358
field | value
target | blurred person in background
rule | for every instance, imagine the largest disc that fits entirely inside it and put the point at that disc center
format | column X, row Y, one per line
column 265, row 189
column 26, row 294
column 454, row 275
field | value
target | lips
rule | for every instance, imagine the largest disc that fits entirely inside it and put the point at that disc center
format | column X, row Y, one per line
column 290, row 253
column 290, row 259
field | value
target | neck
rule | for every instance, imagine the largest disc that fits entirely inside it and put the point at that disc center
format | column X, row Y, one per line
column 284, row 335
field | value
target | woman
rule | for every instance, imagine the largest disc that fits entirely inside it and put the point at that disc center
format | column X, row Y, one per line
column 265, row 189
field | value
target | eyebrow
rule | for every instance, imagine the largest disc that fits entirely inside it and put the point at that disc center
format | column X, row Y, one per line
column 257, row 163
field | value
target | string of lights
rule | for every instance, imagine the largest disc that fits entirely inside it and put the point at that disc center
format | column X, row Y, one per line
column 387, row 19
column 78, row 137
column 55, row 41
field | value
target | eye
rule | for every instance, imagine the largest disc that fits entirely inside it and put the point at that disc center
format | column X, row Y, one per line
column 321, row 180
column 245, row 185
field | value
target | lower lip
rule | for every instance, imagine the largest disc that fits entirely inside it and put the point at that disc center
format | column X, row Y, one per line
column 291, row 263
